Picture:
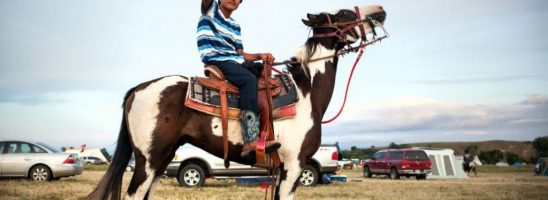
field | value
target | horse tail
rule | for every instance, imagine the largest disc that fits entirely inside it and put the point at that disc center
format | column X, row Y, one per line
column 111, row 183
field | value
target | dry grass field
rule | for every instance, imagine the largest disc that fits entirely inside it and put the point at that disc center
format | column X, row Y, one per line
column 483, row 186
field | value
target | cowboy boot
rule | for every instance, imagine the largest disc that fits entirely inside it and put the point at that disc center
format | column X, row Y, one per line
column 250, row 124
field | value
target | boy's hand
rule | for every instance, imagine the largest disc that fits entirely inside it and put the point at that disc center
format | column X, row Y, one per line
column 267, row 58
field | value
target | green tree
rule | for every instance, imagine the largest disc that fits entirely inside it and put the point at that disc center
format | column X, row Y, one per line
column 512, row 157
column 541, row 145
column 358, row 153
column 393, row 145
column 472, row 149
column 491, row 157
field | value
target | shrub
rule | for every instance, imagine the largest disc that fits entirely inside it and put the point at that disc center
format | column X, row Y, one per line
column 491, row 157
column 512, row 157
column 541, row 145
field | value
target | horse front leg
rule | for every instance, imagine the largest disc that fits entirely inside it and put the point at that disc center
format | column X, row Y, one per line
column 290, row 171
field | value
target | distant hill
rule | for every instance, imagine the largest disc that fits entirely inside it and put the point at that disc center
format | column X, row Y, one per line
column 522, row 148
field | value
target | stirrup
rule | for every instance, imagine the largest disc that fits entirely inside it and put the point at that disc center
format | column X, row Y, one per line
column 249, row 149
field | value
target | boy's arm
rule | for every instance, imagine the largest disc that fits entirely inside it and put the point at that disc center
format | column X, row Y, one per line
column 206, row 4
column 265, row 57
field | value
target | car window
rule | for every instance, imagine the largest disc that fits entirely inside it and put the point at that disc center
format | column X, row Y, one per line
column 12, row 147
column 395, row 155
column 2, row 146
column 50, row 148
column 37, row 149
column 416, row 155
column 24, row 148
column 375, row 155
column 380, row 155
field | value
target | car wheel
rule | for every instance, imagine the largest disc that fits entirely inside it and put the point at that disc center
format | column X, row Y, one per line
column 309, row 177
column 367, row 172
column 191, row 176
column 394, row 174
column 40, row 173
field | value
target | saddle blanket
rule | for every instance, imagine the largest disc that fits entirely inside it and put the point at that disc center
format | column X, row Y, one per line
column 208, row 101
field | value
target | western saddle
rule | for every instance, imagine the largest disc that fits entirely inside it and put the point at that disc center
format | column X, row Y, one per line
column 216, row 81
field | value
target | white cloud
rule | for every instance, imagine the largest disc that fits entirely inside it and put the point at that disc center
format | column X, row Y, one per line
column 536, row 99
column 408, row 119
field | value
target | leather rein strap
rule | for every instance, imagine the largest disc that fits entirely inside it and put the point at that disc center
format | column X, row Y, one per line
column 224, row 120
column 274, row 159
column 339, row 33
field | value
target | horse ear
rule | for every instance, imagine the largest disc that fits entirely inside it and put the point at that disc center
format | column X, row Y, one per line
column 316, row 19
column 313, row 18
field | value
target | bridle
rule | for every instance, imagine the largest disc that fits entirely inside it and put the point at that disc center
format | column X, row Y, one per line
column 340, row 31
column 341, row 28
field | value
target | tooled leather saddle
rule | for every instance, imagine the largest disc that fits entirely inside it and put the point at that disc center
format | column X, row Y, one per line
column 214, row 95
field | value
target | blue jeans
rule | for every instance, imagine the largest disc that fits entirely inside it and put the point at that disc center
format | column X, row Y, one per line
column 245, row 78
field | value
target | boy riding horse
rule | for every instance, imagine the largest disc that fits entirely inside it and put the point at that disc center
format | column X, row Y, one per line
column 220, row 44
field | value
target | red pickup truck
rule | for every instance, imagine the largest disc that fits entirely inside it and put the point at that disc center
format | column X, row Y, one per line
column 398, row 162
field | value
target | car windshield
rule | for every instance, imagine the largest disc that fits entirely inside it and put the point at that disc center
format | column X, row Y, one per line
column 50, row 148
column 416, row 155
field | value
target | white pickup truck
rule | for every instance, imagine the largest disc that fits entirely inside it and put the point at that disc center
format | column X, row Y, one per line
column 191, row 166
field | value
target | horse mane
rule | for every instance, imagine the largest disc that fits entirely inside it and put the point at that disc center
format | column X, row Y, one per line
column 305, row 55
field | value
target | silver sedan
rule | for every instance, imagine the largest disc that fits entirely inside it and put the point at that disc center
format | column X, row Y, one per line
column 37, row 161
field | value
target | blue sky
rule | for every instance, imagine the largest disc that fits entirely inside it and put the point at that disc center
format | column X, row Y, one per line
column 451, row 71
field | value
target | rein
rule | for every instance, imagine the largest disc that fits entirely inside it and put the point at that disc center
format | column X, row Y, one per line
column 340, row 53
column 360, row 47
column 340, row 34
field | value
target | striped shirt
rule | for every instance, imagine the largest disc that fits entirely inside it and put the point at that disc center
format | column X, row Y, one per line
column 218, row 37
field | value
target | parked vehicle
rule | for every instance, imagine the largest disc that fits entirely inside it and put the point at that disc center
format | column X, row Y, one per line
column 540, row 165
column 37, row 161
column 398, row 162
column 130, row 166
column 91, row 160
column 191, row 166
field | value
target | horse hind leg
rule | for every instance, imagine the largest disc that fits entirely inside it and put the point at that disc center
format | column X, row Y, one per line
column 142, row 179
column 148, row 171
column 161, row 164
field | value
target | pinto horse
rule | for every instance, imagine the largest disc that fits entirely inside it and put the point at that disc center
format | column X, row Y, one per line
column 155, row 121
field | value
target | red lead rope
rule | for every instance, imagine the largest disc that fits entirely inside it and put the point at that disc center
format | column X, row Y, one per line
column 362, row 49
column 347, row 86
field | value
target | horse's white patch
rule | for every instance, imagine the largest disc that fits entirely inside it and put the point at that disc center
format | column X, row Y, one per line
column 364, row 11
column 154, row 187
column 317, row 66
column 291, row 133
column 146, row 185
column 142, row 122
column 144, row 110
column 234, row 130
